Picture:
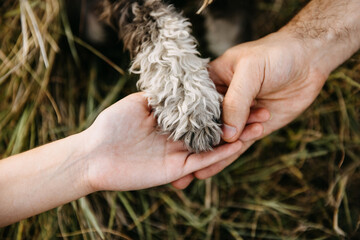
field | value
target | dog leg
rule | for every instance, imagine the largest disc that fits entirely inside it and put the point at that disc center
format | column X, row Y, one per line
column 173, row 76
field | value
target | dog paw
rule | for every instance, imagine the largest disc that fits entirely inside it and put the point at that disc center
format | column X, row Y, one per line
column 187, row 106
column 193, row 118
column 173, row 76
column 198, row 139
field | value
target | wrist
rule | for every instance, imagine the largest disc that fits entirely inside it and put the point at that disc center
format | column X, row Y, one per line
column 310, row 54
column 93, row 152
column 329, row 32
column 81, row 157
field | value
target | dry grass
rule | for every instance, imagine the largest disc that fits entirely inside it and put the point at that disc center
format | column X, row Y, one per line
column 301, row 182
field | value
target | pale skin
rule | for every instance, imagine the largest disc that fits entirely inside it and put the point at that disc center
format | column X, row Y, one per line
column 284, row 71
column 121, row 151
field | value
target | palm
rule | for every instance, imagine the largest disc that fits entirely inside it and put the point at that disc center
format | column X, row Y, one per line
column 287, row 95
column 273, row 77
column 134, row 156
column 264, row 71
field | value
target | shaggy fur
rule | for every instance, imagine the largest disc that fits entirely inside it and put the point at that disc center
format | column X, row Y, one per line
column 173, row 76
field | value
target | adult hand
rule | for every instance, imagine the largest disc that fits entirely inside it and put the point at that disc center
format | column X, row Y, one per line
column 271, row 73
column 285, row 71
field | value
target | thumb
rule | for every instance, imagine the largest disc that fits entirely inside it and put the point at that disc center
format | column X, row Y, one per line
column 243, row 89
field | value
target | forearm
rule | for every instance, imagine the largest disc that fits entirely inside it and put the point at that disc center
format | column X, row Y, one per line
column 41, row 179
column 329, row 31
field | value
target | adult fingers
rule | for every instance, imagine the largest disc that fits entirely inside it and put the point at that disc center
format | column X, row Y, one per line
column 238, row 99
column 183, row 182
column 248, row 136
column 252, row 132
column 259, row 115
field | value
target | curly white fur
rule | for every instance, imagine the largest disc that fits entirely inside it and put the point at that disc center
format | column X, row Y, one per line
column 173, row 76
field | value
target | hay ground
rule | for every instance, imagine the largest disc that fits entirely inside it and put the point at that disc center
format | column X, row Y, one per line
column 301, row 182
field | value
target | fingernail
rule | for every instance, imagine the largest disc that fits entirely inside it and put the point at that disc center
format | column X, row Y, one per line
column 229, row 131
